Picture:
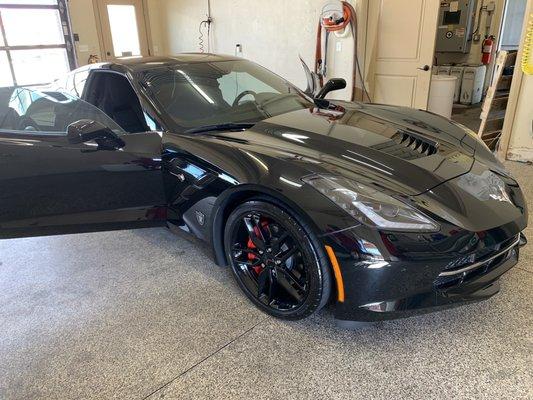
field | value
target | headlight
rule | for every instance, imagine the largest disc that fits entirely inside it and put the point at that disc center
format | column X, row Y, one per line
column 371, row 207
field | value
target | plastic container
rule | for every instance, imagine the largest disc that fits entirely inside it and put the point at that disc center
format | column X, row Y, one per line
column 441, row 94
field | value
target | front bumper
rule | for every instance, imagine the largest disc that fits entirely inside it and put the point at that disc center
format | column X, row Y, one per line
column 382, row 290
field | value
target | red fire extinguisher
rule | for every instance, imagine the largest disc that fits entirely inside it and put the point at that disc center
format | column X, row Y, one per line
column 486, row 49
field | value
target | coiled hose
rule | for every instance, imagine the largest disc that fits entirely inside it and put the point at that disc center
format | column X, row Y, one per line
column 349, row 20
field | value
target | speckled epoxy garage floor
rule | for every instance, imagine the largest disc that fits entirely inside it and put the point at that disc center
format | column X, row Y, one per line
column 146, row 314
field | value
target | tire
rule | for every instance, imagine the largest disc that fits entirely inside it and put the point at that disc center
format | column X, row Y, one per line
column 290, row 279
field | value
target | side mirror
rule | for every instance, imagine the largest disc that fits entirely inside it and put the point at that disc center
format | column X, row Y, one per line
column 330, row 86
column 86, row 130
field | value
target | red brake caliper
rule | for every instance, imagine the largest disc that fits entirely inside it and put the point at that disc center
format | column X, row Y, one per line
column 258, row 269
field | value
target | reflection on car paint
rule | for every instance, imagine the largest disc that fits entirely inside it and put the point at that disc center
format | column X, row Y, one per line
column 487, row 186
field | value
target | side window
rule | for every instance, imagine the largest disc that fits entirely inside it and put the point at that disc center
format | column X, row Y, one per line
column 80, row 78
column 69, row 85
column 45, row 112
column 113, row 94
column 152, row 123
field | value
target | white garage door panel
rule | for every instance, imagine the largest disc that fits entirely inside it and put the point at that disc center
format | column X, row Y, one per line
column 399, row 24
column 405, row 43
column 395, row 90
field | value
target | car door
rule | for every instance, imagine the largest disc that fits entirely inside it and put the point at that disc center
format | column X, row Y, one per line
column 50, row 184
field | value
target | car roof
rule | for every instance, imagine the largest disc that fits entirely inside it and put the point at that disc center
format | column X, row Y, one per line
column 140, row 63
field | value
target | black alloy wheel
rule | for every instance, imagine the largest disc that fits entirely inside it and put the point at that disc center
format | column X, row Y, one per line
column 276, row 261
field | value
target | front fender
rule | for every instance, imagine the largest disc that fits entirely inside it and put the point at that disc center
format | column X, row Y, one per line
column 316, row 211
column 218, row 174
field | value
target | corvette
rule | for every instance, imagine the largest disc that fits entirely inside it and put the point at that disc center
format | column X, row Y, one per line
column 381, row 211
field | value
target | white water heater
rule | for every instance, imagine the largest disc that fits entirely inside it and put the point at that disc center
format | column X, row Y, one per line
column 472, row 84
column 458, row 72
column 444, row 69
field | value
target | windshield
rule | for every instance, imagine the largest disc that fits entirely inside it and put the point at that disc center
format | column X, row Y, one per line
column 200, row 94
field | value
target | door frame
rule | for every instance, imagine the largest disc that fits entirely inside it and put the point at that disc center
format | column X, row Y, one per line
column 100, row 33
column 372, row 21
column 515, row 92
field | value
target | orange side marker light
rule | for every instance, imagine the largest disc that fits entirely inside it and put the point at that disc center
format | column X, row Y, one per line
column 337, row 273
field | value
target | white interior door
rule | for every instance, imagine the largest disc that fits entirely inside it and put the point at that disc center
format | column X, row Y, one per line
column 404, row 45
column 123, row 28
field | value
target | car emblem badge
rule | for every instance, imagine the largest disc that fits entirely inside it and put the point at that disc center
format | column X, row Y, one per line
column 200, row 217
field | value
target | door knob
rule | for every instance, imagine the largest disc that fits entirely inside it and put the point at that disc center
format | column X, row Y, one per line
column 424, row 68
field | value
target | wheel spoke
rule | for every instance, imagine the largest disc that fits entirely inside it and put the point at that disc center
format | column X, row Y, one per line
column 265, row 284
column 291, row 290
column 290, row 278
column 238, row 251
column 288, row 254
column 261, row 282
column 282, row 237
column 277, row 242
column 251, row 278
column 271, row 281
column 251, row 251
column 249, row 263
column 255, row 232
column 269, row 261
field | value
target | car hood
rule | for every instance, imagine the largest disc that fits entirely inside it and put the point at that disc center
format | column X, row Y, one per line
column 404, row 150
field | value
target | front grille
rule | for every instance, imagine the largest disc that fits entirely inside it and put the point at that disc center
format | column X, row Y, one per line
column 480, row 263
column 479, row 255
column 407, row 146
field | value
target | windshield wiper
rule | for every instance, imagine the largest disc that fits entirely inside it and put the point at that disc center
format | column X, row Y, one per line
column 232, row 126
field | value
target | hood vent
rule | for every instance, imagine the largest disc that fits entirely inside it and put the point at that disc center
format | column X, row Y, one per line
column 408, row 146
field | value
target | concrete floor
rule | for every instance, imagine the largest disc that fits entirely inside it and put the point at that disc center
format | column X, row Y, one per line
column 145, row 314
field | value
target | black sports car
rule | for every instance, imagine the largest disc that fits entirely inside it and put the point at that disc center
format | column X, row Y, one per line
column 383, row 211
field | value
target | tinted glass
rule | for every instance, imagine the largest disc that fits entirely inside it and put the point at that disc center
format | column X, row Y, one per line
column 27, row 110
column 80, row 78
column 199, row 94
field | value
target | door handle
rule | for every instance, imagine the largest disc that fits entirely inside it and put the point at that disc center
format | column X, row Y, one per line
column 424, row 68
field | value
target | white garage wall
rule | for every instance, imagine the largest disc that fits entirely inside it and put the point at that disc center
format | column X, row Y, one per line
column 155, row 29
column 273, row 33
column 84, row 24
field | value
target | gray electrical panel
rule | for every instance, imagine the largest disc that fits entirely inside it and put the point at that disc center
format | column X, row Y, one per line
column 456, row 21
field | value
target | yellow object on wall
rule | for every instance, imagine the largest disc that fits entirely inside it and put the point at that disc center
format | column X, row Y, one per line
column 527, row 58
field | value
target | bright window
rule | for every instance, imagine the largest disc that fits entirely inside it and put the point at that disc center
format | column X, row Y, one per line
column 124, row 32
column 31, row 2
column 5, row 72
column 36, row 45
column 39, row 66
column 32, row 27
